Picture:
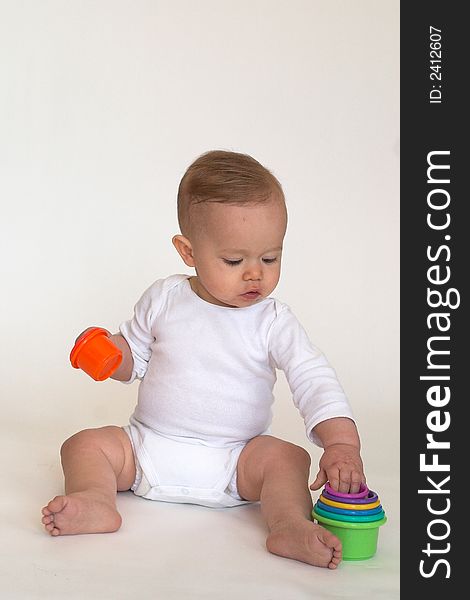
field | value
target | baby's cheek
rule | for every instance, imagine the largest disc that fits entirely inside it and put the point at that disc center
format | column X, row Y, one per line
column 273, row 280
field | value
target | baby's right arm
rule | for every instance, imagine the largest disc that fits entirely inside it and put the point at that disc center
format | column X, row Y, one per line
column 124, row 371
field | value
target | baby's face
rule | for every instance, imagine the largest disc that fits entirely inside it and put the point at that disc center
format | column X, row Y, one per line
column 237, row 252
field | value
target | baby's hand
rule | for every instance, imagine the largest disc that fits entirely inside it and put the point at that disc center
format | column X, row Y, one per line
column 84, row 331
column 341, row 465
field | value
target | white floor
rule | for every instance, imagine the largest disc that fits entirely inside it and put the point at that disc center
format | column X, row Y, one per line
column 163, row 551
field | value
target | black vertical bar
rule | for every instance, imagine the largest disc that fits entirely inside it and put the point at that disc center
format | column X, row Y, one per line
column 435, row 511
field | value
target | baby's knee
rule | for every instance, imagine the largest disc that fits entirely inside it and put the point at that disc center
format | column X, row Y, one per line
column 299, row 455
column 72, row 442
column 282, row 451
column 87, row 438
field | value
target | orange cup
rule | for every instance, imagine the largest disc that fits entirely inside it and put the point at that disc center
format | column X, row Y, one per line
column 96, row 354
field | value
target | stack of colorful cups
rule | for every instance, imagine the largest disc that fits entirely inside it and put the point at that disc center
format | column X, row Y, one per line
column 354, row 518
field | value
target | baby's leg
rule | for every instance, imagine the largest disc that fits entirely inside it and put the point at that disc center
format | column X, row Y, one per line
column 97, row 463
column 276, row 472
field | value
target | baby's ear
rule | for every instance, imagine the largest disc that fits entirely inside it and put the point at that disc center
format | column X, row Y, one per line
column 184, row 249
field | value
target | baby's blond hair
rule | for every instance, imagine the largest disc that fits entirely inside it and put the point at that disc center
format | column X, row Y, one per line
column 224, row 177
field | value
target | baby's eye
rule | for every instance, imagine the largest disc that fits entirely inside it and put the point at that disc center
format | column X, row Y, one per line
column 232, row 263
column 269, row 261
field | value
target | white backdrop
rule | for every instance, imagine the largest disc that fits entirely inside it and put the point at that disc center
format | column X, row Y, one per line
column 105, row 103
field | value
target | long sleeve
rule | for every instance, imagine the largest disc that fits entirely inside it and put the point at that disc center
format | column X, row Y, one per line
column 316, row 391
column 138, row 330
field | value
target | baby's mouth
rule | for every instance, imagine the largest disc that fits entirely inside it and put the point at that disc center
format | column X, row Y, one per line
column 252, row 295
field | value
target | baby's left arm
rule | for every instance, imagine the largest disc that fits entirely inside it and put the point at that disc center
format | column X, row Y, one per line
column 341, row 462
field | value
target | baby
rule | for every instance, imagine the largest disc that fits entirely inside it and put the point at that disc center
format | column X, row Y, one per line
column 206, row 349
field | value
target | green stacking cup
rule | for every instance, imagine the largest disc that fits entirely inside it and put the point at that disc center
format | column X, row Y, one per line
column 359, row 540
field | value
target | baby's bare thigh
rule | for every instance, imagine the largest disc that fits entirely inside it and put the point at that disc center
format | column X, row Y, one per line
column 126, row 477
column 262, row 454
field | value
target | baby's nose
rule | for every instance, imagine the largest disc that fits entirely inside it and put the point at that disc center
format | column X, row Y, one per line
column 254, row 273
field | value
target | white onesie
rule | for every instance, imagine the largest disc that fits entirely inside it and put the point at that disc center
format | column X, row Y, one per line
column 207, row 374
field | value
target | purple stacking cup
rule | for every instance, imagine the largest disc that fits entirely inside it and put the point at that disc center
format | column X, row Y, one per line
column 362, row 493
column 371, row 497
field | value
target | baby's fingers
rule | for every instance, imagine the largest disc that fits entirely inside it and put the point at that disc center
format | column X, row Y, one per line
column 320, row 480
column 345, row 480
column 355, row 484
column 333, row 477
column 350, row 481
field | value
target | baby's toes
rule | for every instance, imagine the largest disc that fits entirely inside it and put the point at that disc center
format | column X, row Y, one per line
column 331, row 541
column 47, row 519
column 57, row 504
column 335, row 560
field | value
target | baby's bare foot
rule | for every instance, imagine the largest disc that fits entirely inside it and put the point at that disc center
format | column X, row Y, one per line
column 80, row 512
column 306, row 541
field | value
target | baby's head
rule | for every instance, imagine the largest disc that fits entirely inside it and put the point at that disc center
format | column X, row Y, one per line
column 233, row 218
